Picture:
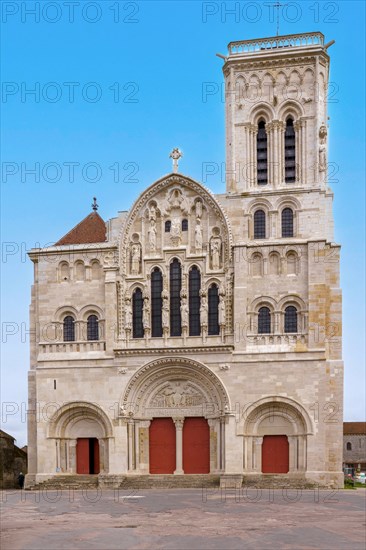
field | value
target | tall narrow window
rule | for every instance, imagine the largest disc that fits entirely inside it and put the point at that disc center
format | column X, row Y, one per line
column 184, row 225
column 349, row 446
column 213, row 310
column 175, row 288
column 262, row 163
column 259, row 224
column 168, row 226
column 291, row 319
column 92, row 328
column 69, row 329
column 287, row 222
column 264, row 320
column 156, row 303
column 137, row 306
column 290, row 162
column 194, row 301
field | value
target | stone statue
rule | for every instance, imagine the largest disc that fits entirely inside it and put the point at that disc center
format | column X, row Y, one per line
column 204, row 310
column 128, row 314
column 215, row 252
column 323, row 148
column 135, row 258
column 184, row 312
column 198, row 236
column 152, row 212
column 222, row 312
column 146, row 315
column 199, row 209
column 152, row 236
column 165, row 315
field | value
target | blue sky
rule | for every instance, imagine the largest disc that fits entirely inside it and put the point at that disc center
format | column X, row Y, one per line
column 122, row 91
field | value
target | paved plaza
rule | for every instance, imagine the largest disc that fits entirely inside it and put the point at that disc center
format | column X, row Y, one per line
column 183, row 519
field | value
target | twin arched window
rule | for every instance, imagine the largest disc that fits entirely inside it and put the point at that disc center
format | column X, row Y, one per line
column 287, row 223
column 92, row 328
column 264, row 320
column 262, row 153
column 69, row 329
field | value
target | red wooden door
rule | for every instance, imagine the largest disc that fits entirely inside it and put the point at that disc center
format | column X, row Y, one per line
column 275, row 454
column 196, row 446
column 162, row 446
column 82, row 456
column 96, row 466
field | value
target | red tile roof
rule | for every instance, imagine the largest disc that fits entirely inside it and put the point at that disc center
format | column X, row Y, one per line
column 354, row 428
column 91, row 229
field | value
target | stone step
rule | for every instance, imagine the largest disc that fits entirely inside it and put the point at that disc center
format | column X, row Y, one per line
column 162, row 481
column 277, row 481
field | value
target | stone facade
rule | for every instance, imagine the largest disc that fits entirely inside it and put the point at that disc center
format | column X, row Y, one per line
column 12, row 461
column 354, row 445
column 211, row 358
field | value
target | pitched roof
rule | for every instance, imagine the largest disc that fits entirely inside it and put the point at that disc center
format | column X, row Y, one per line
column 354, row 428
column 6, row 435
column 91, row 229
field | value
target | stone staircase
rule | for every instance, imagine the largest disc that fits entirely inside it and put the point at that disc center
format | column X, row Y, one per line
column 163, row 481
column 62, row 482
column 278, row 481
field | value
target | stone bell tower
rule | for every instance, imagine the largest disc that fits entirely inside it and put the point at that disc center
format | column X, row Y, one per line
column 276, row 113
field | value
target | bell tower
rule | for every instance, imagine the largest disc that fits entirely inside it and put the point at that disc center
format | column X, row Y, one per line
column 276, row 113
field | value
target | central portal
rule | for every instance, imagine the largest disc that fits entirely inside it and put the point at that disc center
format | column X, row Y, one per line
column 162, row 446
column 196, row 446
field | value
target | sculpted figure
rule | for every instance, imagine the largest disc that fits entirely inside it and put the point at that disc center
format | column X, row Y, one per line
column 135, row 258
column 175, row 230
column 152, row 213
column 146, row 315
column 152, row 236
column 204, row 310
column 198, row 236
column 222, row 312
column 322, row 158
column 199, row 209
column 128, row 314
column 165, row 315
column 215, row 252
column 184, row 312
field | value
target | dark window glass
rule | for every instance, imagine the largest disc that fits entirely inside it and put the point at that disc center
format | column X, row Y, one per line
column 194, row 302
column 92, row 328
column 184, row 225
column 291, row 319
column 168, row 225
column 213, row 310
column 264, row 320
column 175, row 288
column 137, row 306
column 262, row 164
column 287, row 222
column 290, row 164
column 69, row 329
column 259, row 224
column 349, row 446
column 156, row 303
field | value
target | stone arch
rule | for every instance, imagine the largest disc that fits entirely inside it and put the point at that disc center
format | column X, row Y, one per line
column 292, row 108
column 70, row 413
column 90, row 310
column 261, row 110
column 276, row 418
column 61, row 312
column 202, row 392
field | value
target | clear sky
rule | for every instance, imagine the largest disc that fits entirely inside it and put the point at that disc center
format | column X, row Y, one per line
column 117, row 85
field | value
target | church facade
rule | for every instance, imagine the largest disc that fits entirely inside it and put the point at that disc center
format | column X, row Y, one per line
column 200, row 333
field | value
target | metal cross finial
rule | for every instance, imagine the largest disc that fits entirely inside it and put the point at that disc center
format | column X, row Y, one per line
column 95, row 206
column 176, row 154
column 277, row 6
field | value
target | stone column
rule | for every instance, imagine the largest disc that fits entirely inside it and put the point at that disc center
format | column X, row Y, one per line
column 178, row 445
column 270, row 153
column 292, row 441
column 257, row 455
column 71, row 452
column 144, row 464
column 213, row 445
column 131, row 445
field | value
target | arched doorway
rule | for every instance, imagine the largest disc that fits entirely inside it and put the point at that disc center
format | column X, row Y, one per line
column 275, row 436
column 175, row 409
column 81, row 431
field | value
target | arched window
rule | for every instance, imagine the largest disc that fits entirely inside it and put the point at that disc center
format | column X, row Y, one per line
column 184, row 225
column 69, row 329
column 137, row 306
column 349, row 446
column 291, row 319
column 256, row 260
column 274, row 263
column 92, row 327
column 287, row 222
column 175, row 288
column 168, row 226
column 213, row 310
column 64, row 271
column 290, row 165
column 259, row 224
column 194, row 301
column 264, row 320
column 95, row 270
column 156, row 303
column 291, row 259
column 262, row 165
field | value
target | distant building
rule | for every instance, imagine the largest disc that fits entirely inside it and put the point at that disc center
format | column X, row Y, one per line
column 354, row 445
column 12, row 461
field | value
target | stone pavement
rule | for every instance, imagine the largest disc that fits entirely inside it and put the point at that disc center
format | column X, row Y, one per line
column 183, row 519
